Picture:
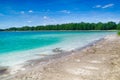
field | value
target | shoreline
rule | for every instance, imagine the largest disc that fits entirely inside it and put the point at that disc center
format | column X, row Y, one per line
column 47, row 59
column 39, row 51
column 99, row 61
column 71, row 60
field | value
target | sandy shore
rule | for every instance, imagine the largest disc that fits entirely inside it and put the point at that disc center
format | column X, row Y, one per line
column 100, row 61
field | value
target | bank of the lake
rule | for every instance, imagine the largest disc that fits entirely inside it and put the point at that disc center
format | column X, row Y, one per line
column 72, row 41
column 100, row 61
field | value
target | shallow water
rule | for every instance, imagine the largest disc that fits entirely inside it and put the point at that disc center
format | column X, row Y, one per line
column 17, row 47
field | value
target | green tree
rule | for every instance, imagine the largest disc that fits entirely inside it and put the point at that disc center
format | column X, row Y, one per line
column 70, row 26
column 118, row 26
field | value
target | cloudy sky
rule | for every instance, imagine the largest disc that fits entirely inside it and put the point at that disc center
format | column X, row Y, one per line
column 42, row 12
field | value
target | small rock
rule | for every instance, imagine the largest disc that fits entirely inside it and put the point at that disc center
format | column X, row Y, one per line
column 3, row 70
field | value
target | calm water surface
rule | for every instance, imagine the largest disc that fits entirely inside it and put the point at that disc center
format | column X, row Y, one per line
column 17, row 47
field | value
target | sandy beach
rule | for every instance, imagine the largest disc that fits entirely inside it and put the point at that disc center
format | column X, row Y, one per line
column 100, row 61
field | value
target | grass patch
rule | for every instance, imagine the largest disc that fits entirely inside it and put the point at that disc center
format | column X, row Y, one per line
column 118, row 33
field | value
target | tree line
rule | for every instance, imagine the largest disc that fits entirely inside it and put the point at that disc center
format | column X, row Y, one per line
column 70, row 26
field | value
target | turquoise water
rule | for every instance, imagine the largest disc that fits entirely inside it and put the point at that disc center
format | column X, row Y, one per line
column 17, row 47
column 17, row 41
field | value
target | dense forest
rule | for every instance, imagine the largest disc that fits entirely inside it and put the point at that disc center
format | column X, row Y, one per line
column 69, row 26
column 1, row 30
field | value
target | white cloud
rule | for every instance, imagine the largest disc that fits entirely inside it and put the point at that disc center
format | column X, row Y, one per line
column 108, row 5
column 104, row 6
column 22, row 12
column 30, row 11
column 45, row 17
column 98, row 6
column 65, row 11
column 29, row 21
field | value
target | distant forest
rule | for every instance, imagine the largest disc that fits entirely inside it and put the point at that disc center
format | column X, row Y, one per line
column 69, row 26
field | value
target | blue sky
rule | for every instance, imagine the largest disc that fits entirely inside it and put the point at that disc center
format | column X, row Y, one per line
column 42, row 12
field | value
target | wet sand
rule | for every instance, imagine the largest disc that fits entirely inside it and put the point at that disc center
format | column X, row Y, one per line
column 100, row 61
